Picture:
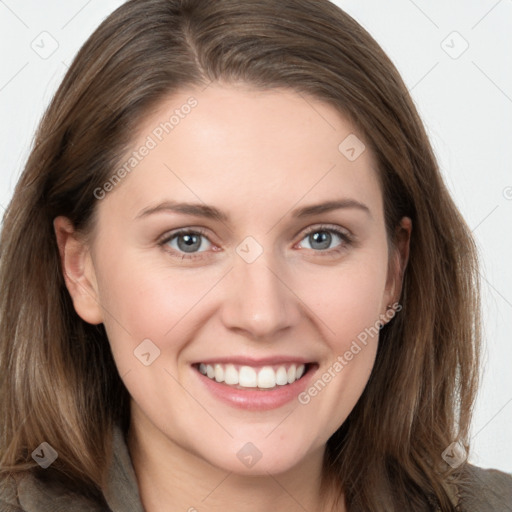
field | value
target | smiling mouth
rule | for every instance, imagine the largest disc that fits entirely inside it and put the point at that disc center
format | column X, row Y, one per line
column 265, row 377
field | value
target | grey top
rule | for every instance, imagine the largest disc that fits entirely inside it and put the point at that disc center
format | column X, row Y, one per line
column 491, row 490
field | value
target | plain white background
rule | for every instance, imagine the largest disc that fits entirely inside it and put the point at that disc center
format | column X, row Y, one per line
column 455, row 59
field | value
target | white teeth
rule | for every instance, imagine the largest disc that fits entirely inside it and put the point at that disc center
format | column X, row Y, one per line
column 292, row 372
column 281, row 376
column 231, row 375
column 248, row 377
column 266, row 378
column 219, row 373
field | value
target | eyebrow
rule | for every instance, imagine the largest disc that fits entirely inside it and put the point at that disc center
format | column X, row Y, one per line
column 210, row 212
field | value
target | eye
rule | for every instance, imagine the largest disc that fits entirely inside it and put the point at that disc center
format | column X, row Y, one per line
column 321, row 238
column 191, row 243
column 186, row 242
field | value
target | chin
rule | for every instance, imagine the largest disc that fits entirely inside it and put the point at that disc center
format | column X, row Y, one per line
column 257, row 456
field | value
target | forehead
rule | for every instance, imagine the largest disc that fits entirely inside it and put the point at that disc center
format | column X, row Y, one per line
column 246, row 149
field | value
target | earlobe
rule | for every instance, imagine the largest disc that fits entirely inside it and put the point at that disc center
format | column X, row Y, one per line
column 78, row 271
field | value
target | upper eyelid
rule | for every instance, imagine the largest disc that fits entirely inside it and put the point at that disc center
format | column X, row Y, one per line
column 324, row 227
column 169, row 235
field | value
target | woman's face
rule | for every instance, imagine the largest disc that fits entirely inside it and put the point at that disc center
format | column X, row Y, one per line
column 281, row 265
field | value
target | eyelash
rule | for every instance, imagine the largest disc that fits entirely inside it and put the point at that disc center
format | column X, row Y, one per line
column 344, row 236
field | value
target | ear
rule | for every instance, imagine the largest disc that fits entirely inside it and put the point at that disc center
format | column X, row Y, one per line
column 78, row 270
column 398, row 263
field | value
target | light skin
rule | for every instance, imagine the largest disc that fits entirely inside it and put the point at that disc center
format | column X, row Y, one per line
column 257, row 156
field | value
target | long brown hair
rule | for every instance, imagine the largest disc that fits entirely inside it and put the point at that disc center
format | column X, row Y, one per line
column 59, row 382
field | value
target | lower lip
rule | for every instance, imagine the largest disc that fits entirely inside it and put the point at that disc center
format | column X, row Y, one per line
column 256, row 399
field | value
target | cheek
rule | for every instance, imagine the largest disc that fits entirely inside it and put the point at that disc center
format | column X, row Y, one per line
column 346, row 301
column 347, row 306
column 142, row 300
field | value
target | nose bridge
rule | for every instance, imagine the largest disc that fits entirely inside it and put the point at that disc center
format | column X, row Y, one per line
column 257, row 301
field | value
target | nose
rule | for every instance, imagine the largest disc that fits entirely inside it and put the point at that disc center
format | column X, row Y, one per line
column 258, row 301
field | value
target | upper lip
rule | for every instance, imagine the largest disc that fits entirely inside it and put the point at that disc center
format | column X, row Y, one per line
column 250, row 361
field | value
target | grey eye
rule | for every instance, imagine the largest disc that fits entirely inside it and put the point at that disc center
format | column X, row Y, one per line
column 321, row 239
column 188, row 242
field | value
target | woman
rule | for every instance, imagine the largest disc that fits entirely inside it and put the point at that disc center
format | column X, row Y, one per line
column 233, row 279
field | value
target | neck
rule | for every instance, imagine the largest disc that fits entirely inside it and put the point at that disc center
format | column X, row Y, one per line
column 171, row 477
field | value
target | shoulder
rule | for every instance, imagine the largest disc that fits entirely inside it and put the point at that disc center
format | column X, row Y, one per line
column 8, row 495
column 485, row 489
column 44, row 490
column 24, row 492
